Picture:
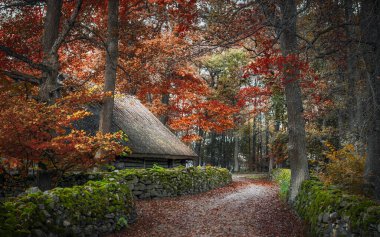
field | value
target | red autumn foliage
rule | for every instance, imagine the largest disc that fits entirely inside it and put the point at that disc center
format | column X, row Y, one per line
column 35, row 134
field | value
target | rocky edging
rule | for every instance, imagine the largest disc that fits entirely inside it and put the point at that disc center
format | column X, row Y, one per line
column 332, row 212
column 103, row 202
column 88, row 210
column 159, row 182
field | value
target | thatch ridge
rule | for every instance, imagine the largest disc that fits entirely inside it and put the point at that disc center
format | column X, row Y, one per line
column 148, row 137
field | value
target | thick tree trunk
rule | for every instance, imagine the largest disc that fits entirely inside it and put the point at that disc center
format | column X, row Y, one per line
column 111, row 66
column 49, row 88
column 352, row 68
column 296, row 122
column 370, row 29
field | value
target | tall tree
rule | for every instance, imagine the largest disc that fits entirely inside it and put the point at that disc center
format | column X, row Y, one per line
column 111, row 66
column 49, row 86
column 296, row 122
column 52, row 41
column 370, row 30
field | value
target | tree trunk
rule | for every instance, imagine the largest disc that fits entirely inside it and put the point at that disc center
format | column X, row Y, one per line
column 370, row 30
column 254, row 138
column 296, row 122
column 165, row 100
column 267, row 153
column 236, row 151
column 352, row 68
column 213, row 158
column 49, row 88
column 111, row 66
column 198, row 147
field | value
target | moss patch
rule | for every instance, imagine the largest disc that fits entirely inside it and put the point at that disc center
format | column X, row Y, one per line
column 67, row 211
column 330, row 210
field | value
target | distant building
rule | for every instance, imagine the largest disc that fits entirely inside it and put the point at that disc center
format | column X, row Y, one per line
column 150, row 141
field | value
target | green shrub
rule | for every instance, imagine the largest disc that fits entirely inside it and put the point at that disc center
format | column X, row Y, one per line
column 282, row 178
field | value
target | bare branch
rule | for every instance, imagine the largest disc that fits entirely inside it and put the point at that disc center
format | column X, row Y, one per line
column 66, row 28
column 18, row 76
column 24, row 59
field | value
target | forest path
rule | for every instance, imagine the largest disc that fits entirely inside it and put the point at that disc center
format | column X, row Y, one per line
column 246, row 207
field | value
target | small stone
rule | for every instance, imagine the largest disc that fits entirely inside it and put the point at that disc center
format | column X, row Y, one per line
column 38, row 233
column 151, row 186
column 110, row 216
column 130, row 186
column 76, row 229
column 333, row 216
column 66, row 223
column 46, row 213
column 326, row 217
column 136, row 193
column 89, row 229
column 139, row 187
column 32, row 190
column 378, row 227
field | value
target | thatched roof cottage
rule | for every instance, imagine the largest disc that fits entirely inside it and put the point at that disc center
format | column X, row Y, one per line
column 151, row 141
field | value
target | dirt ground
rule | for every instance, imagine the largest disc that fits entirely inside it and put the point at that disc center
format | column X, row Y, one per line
column 246, row 207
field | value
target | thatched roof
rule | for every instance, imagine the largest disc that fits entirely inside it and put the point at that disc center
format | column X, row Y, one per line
column 148, row 137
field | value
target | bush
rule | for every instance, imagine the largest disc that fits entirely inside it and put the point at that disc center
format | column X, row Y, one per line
column 282, row 178
column 345, row 169
column 279, row 147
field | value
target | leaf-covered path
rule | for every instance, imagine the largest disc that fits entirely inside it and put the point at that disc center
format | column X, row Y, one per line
column 244, row 208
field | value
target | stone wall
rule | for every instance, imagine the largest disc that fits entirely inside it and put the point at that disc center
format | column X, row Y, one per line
column 331, row 212
column 100, row 203
column 88, row 210
column 158, row 182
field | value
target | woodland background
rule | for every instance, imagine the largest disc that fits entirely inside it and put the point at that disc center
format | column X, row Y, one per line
column 248, row 84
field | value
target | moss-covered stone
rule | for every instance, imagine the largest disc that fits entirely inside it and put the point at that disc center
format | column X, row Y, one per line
column 159, row 182
column 103, row 202
column 330, row 211
column 68, row 211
